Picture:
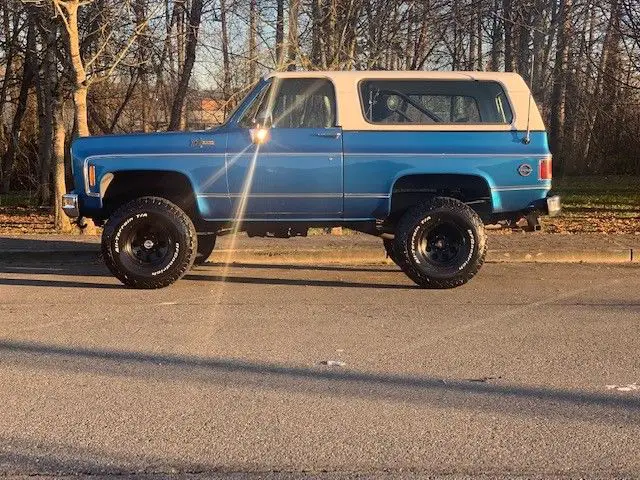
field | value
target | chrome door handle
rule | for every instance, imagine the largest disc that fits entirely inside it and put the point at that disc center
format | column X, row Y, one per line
column 328, row 134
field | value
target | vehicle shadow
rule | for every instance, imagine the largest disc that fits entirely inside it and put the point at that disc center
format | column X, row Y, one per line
column 43, row 272
column 319, row 268
column 305, row 282
column 56, row 283
column 470, row 394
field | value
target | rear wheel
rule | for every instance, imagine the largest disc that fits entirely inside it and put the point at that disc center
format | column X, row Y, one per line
column 149, row 243
column 206, row 244
column 440, row 243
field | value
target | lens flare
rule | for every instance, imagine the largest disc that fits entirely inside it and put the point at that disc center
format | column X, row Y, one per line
column 259, row 135
column 238, row 218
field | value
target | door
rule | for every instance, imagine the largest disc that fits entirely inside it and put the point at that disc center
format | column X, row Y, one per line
column 296, row 174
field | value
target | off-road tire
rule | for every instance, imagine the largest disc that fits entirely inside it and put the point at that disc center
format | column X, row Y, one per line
column 125, row 251
column 440, row 243
column 389, row 247
column 206, row 244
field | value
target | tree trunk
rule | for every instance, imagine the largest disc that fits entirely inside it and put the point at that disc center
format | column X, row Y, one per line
column 480, row 46
column 46, row 90
column 558, row 95
column 420, row 47
column 62, row 222
column 496, row 39
column 507, row 13
column 11, row 32
column 279, row 34
column 142, row 68
column 316, row 33
column 80, row 76
column 608, row 94
column 524, row 39
column 473, row 44
column 455, row 53
column 28, row 73
column 226, row 61
column 190, row 56
column 538, row 51
column 181, row 9
column 80, row 90
column 294, row 8
column 253, row 54
column 329, row 34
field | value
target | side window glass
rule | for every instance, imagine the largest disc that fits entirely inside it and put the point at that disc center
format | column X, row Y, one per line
column 424, row 102
column 304, row 103
column 250, row 114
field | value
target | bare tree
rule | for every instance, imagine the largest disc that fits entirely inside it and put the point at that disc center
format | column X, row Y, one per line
column 143, row 54
column 279, row 33
column 560, row 75
column 294, row 11
column 195, row 17
column 28, row 74
column 253, row 52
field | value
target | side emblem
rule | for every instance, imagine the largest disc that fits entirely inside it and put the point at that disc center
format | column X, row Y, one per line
column 525, row 169
column 202, row 143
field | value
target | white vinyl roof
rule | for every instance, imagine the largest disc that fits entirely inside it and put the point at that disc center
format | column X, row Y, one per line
column 350, row 113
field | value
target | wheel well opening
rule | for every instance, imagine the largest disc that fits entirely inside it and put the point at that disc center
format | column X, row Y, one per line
column 120, row 187
column 411, row 189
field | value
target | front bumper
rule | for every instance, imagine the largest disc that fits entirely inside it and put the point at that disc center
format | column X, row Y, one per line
column 70, row 205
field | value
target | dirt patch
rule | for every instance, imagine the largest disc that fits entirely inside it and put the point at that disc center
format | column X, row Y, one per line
column 16, row 220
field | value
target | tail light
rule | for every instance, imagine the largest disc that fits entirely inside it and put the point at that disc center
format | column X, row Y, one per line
column 544, row 169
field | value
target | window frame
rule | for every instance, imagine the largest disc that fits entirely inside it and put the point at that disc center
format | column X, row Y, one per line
column 334, row 100
column 427, row 126
column 258, row 97
column 237, row 113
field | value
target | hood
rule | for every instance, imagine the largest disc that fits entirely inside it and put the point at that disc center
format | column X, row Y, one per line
column 138, row 143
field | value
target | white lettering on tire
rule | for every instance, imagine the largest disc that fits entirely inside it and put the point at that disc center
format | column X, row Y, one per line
column 124, row 224
column 472, row 244
column 413, row 237
column 175, row 255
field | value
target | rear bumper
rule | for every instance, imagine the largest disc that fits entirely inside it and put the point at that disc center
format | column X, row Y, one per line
column 551, row 205
column 70, row 205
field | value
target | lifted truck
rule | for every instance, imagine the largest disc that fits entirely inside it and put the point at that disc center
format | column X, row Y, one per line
column 420, row 159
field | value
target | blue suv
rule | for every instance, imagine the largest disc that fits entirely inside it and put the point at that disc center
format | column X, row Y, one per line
column 419, row 159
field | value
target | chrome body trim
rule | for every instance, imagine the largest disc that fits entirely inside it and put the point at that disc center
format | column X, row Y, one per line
column 509, row 188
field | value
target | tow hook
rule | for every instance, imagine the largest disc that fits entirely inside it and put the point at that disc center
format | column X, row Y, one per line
column 81, row 223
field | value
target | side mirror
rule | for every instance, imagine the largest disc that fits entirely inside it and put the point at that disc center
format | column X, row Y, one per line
column 261, row 125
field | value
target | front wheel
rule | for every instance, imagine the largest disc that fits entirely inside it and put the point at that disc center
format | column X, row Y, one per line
column 440, row 243
column 149, row 243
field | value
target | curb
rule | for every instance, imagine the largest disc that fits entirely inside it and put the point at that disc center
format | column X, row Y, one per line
column 625, row 255
column 369, row 256
column 348, row 256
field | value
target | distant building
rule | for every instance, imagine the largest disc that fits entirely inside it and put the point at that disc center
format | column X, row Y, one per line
column 206, row 112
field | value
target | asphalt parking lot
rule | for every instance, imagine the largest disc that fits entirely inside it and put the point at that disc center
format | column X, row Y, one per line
column 531, row 369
